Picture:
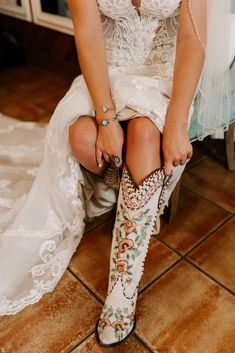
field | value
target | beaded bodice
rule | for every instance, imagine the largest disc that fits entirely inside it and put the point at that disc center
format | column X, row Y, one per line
column 141, row 35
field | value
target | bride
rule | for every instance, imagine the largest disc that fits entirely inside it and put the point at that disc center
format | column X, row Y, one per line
column 119, row 135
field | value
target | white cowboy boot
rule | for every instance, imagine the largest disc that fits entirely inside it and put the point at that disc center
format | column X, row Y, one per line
column 137, row 209
column 169, row 187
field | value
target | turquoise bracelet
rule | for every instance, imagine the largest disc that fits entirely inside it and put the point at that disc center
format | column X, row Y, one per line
column 105, row 122
column 104, row 109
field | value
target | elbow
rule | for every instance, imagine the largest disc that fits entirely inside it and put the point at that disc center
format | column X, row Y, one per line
column 192, row 39
column 88, row 35
column 68, row 3
column 193, row 43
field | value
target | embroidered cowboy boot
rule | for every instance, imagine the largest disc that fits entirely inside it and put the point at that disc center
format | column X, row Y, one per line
column 137, row 208
column 169, row 187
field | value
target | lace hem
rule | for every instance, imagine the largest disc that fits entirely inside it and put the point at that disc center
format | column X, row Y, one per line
column 12, row 307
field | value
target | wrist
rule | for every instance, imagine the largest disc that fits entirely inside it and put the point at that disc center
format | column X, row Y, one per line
column 105, row 116
column 104, row 111
column 180, row 120
column 106, row 121
column 178, row 109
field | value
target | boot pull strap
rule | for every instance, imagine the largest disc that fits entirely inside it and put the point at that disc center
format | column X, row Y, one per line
column 166, row 181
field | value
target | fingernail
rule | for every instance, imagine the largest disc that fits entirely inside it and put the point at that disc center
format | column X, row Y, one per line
column 100, row 165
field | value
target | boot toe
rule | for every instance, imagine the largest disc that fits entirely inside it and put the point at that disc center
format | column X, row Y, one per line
column 109, row 337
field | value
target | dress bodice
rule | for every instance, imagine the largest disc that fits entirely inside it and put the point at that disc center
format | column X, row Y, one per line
column 140, row 37
column 125, row 9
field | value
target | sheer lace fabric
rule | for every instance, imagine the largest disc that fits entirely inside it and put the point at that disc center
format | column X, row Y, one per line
column 143, row 37
column 211, row 21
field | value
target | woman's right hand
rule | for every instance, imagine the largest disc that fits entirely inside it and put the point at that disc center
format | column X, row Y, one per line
column 109, row 143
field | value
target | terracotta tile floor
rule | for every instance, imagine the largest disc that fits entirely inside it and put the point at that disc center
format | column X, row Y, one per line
column 186, row 303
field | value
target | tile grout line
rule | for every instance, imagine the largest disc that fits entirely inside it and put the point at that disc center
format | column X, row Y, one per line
column 138, row 338
column 85, row 285
column 209, row 276
column 183, row 257
column 81, row 341
column 168, row 246
column 210, row 234
column 159, row 276
column 186, row 259
column 207, row 199
column 175, row 263
column 195, row 164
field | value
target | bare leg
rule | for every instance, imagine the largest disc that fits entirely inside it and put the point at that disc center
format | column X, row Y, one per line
column 143, row 148
column 82, row 139
column 143, row 139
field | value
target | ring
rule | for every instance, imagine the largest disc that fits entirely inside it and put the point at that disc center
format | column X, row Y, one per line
column 116, row 159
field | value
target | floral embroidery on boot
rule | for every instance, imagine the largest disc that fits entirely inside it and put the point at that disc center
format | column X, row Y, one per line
column 120, row 320
column 136, row 212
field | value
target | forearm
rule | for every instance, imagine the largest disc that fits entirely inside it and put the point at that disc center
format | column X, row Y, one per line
column 93, row 63
column 187, row 71
column 89, row 39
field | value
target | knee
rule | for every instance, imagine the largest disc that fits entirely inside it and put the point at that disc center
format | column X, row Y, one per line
column 142, row 131
column 82, row 136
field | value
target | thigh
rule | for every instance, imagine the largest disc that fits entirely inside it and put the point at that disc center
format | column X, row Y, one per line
column 142, row 133
column 85, row 129
column 83, row 120
column 82, row 139
column 83, row 134
column 143, row 125
column 142, row 148
column 143, row 138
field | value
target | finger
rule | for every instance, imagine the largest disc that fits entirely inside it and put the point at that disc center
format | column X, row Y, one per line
column 99, row 158
column 189, row 155
column 106, row 157
column 167, row 168
column 183, row 161
column 176, row 162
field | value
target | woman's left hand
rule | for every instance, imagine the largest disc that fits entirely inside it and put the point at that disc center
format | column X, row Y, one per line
column 176, row 145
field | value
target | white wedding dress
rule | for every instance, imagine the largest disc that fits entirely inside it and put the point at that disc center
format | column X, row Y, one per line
column 42, row 209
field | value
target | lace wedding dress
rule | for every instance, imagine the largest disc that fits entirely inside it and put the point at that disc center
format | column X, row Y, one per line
column 44, row 194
